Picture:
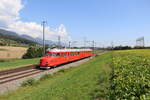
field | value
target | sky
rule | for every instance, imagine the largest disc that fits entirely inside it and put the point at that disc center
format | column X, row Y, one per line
column 104, row 21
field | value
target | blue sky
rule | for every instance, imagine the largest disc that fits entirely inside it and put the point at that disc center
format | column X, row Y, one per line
column 100, row 20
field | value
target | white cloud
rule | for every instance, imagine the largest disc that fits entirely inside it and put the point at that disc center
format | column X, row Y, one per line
column 10, row 19
column 9, row 11
column 35, row 30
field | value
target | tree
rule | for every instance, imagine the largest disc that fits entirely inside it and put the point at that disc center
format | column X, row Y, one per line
column 34, row 52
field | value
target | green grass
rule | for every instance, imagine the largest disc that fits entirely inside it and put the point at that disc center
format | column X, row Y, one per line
column 72, row 84
column 18, row 63
column 131, row 75
column 98, row 51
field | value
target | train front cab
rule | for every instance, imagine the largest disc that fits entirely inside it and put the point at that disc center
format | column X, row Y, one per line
column 51, row 59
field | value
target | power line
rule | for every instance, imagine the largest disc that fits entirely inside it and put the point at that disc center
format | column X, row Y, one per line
column 71, row 43
column 140, row 42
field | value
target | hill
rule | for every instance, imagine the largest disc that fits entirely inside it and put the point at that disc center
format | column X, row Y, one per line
column 8, row 38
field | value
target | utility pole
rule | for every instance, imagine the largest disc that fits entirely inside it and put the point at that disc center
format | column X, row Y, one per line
column 84, row 42
column 93, row 44
column 59, row 42
column 143, row 42
column 43, row 24
column 140, row 42
column 112, row 45
column 69, row 44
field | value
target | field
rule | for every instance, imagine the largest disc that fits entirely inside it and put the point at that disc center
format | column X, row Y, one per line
column 8, row 52
column 131, row 75
column 116, row 75
column 72, row 84
column 18, row 63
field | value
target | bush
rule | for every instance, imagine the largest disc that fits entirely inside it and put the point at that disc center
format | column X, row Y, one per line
column 28, row 82
column 122, row 48
column 33, row 52
column 46, row 76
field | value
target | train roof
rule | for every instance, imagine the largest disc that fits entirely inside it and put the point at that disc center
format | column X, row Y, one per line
column 67, row 50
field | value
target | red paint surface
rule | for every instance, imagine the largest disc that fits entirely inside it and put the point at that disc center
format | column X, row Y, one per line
column 57, row 58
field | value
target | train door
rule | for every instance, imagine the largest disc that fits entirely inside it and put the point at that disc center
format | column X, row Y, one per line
column 69, row 57
column 58, row 58
column 64, row 57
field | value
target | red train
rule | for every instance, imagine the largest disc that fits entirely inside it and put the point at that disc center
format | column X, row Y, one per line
column 56, row 57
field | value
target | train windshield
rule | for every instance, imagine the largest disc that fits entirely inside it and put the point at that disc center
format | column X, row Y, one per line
column 53, row 54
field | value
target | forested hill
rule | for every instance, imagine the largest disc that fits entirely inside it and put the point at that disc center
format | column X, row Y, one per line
column 8, row 38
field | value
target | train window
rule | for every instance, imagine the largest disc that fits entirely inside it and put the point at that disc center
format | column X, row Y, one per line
column 78, row 53
column 75, row 53
column 72, row 54
column 55, row 54
column 48, row 54
column 65, row 54
column 62, row 54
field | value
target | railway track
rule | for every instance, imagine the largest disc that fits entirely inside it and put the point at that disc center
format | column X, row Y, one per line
column 9, row 71
column 21, row 72
column 17, row 73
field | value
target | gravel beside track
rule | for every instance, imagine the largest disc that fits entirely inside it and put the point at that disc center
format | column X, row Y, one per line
column 13, row 83
column 12, row 79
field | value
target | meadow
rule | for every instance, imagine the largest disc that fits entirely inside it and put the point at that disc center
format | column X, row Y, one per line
column 10, row 57
column 115, row 75
column 18, row 63
column 72, row 84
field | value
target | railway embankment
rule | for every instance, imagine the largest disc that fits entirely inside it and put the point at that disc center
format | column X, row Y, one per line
column 12, row 79
column 76, row 83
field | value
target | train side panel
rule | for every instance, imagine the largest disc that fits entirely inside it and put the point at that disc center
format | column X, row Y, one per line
column 63, row 57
